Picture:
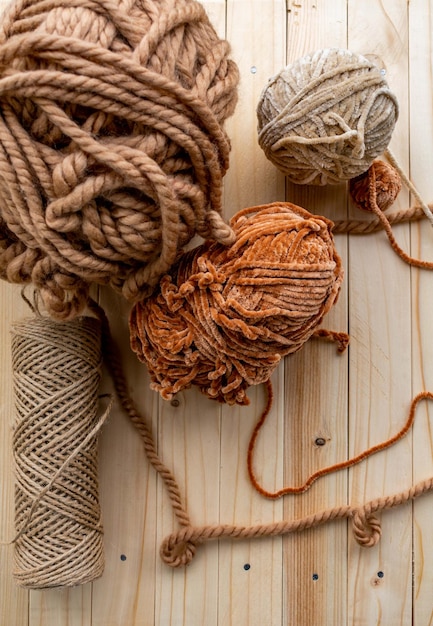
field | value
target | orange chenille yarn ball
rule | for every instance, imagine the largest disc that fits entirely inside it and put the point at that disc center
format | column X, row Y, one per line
column 225, row 316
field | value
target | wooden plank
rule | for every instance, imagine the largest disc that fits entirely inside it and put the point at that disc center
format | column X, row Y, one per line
column 313, row 25
column 14, row 601
column 421, row 153
column 189, row 435
column 64, row 607
column 250, row 589
column 316, row 388
column 316, row 408
column 256, row 31
column 379, row 579
column 125, row 594
column 250, row 583
column 390, row 305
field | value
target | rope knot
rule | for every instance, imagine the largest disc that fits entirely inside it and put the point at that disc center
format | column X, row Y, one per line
column 177, row 550
column 366, row 528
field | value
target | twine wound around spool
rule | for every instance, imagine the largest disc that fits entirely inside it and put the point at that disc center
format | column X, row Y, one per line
column 56, row 374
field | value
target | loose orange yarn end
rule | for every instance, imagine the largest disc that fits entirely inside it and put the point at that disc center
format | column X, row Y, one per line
column 274, row 495
column 375, row 191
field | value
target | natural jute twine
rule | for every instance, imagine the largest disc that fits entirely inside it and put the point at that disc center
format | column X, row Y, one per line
column 56, row 373
column 112, row 147
column 326, row 116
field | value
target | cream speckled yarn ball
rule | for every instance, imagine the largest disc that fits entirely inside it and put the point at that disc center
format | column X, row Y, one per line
column 326, row 117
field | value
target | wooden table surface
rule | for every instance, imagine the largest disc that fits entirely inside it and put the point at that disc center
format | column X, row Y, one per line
column 320, row 577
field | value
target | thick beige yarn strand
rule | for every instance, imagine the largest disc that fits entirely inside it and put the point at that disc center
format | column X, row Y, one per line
column 56, row 374
column 112, row 145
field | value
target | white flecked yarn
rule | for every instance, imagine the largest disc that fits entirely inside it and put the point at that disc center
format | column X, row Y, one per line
column 325, row 118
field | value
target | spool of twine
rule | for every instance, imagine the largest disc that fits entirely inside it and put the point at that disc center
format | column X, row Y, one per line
column 56, row 373
column 112, row 147
column 325, row 118
column 225, row 316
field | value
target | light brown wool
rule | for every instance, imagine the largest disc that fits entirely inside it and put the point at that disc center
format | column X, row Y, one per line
column 56, row 373
column 225, row 316
column 325, row 117
column 112, row 148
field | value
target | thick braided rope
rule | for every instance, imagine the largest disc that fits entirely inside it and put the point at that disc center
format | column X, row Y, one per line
column 56, row 372
column 113, row 362
column 179, row 548
column 365, row 525
column 112, row 148
column 364, row 227
column 176, row 548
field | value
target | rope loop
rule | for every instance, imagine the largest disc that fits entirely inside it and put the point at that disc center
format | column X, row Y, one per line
column 366, row 528
column 177, row 550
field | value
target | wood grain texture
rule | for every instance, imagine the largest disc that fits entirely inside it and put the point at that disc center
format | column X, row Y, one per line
column 14, row 602
column 316, row 399
column 250, row 591
column 421, row 160
column 380, row 367
column 320, row 577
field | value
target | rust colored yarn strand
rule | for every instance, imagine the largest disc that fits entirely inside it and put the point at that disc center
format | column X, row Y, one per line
column 365, row 525
column 56, row 372
column 273, row 495
column 364, row 192
column 111, row 143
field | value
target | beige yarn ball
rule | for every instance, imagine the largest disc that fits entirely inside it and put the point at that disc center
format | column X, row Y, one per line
column 326, row 117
